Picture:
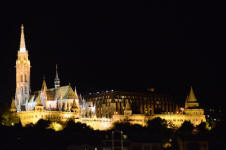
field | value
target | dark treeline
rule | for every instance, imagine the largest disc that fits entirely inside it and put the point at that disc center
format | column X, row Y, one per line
column 39, row 136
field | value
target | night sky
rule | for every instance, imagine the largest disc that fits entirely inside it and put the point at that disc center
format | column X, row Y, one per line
column 130, row 45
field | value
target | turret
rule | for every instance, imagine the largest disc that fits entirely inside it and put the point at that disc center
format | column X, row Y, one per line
column 43, row 94
column 74, row 107
column 13, row 106
column 44, row 86
column 192, row 110
column 39, row 106
column 191, row 101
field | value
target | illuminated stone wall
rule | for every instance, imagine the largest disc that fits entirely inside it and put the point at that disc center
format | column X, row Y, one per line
column 28, row 117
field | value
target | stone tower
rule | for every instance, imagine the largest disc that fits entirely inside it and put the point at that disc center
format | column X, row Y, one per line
column 22, row 73
column 192, row 110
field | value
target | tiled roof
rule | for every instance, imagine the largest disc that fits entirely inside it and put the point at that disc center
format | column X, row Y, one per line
column 66, row 92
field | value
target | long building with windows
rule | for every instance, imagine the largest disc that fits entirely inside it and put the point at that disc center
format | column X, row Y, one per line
column 113, row 102
column 100, row 110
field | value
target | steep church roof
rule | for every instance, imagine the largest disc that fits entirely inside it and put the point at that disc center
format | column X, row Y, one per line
column 64, row 92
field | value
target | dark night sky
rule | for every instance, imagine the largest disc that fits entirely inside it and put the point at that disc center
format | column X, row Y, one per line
column 129, row 45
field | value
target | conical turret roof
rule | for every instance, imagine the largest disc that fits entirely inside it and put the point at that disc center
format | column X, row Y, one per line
column 13, row 106
column 191, row 97
column 39, row 102
column 74, row 105
column 44, row 86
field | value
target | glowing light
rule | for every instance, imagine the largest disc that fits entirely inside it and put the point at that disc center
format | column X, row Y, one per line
column 166, row 145
column 56, row 126
column 208, row 127
column 93, row 109
column 23, row 49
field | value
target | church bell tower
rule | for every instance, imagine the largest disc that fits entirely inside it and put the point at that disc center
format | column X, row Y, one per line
column 22, row 73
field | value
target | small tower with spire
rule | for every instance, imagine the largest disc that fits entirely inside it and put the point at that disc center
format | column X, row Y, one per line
column 191, row 100
column 13, row 106
column 43, row 94
column 22, row 73
column 57, row 80
column 74, row 107
column 39, row 106
column 192, row 110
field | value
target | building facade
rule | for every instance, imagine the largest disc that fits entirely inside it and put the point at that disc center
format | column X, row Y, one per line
column 101, row 110
column 109, row 103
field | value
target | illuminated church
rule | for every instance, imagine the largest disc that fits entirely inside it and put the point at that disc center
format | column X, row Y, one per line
column 61, row 103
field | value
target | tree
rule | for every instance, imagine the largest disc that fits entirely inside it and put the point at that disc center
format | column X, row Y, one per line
column 9, row 119
column 158, row 128
column 42, row 124
column 185, row 129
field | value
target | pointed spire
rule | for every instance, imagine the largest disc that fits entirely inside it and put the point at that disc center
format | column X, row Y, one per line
column 44, row 86
column 39, row 102
column 13, row 106
column 74, row 105
column 57, row 80
column 22, row 40
column 76, row 94
column 191, row 97
column 80, row 97
column 57, row 73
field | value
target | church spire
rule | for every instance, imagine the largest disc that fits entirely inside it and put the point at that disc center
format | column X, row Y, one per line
column 22, row 40
column 22, row 73
column 57, row 80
